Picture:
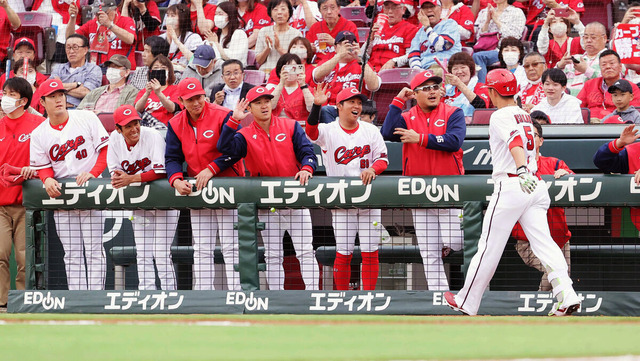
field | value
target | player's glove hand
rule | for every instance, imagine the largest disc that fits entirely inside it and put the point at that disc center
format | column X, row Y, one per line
column 527, row 181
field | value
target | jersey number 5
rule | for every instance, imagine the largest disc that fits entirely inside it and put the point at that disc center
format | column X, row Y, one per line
column 528, row 132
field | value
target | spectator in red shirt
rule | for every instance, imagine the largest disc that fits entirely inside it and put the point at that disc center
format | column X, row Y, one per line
column 158, row 101
column 594, row 94
column 302, row 48
column 109, row 33
column 456, row 10
column 292, row 98
column 146, row 16
column 9, row 21
column 323, row 33
column 255, row 17
column 201, row 16
column 538, row 10
column 390, row 49
column 561, row 44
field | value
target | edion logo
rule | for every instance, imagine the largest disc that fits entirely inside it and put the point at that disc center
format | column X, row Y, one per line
column 250, row 302
column 47, row 302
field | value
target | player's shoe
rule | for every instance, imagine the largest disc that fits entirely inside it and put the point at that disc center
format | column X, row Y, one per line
column 450, row 299
column 568, row 306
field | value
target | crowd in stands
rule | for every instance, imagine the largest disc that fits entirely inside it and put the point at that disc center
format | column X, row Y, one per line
column 113, row 53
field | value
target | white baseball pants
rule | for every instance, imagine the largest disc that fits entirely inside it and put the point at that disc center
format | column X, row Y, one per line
column 81, row 231
column 154, row 231
column 348, row 222
column 204, row 225
column 298, row 223
column 508, row 205
column 435, row 229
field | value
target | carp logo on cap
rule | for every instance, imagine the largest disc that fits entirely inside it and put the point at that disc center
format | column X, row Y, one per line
column 53, row 84
column 260, row 90
column 191, row 86
column 354, row 91
column 127, row 112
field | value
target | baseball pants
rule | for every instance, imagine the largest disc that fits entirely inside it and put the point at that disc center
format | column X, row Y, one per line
column 204, row 225
column 435, row 229
column 154, row 231
column 298, row 223
column 348, row 222
column 81, row 231
column 12, row 231
column 508, row 205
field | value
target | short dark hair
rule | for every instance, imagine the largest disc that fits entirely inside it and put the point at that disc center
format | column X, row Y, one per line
column 556, row 75
column 538, row 114
column 284, row 60
column 368, row 109
column 158, row 45
column 320, row 2
column 609, row 52
column 230, row 62
column 21, row 86
column 85, row 40
column 463, row 59
column 306, row 43
column 274, row 3
column 511, row 41
column 510, row 2
column 537, row 125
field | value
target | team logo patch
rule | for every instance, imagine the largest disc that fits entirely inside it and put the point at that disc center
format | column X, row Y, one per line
column 281, row 137
column 260, row 90
column 439, row 123
column 354, row 91
column 127, row 112
column 191, row 86
column 208, row 134
column 53, row 84
column 23, row 138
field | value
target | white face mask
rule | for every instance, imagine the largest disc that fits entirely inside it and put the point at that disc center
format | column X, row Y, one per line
column 171, row 21
column 31, row 78
column 301, row 53
column 8, row 104
column 221, row 21
column 113, row 75
column 510, row 57
column 559, row 29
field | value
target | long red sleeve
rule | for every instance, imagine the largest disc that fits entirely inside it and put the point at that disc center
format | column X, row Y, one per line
column 379, row 166
column 101, row 163
column 43, row 174
column 151, row 176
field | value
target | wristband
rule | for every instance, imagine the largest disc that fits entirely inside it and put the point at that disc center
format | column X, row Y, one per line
column 304, row 87
column 524, row 169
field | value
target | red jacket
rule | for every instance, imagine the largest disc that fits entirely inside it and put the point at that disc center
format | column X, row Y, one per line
column 599, row 101
column 197, row 144
column 15, row 139
column 321, row 27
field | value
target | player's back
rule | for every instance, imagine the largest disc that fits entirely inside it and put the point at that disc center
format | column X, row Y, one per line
column 510, row 126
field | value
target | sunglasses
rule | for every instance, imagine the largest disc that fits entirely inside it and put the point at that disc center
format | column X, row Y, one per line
column 427, row 88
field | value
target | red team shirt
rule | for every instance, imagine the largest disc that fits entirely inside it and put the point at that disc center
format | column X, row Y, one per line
column 308, row 73
column 62, row 8
column 536, row 7
column 533, row 94
column 209, row 13
column 256, row 19
column 343, row 77
column 155, row 107
column 293, row 105
column 153, row 10
column 556, row 52
column 5, row 33
column 464, row 17
column 393, row 42
column 117, row 46
column 321, row 27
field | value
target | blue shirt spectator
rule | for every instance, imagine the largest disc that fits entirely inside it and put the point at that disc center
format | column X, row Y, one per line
column 437, row 37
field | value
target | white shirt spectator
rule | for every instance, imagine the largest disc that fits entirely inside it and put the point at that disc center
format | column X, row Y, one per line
column 567, row 111
column 512, row 19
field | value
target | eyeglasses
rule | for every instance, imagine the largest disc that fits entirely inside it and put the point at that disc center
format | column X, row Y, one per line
column 74, row 47
column 329, row 8
column 229, row 74
column 427, row 88
column 533, row 65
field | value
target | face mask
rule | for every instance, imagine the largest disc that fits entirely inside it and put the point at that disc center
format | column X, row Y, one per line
column 8, row 104
column 302, row 54
column 31, row 78
column 221, row 21
column 113, row 75
column 510, row 57
column 558, row 29
column 173, row 22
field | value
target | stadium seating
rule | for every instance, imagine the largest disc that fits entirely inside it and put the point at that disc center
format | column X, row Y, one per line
column 37, row 27
column 356, row 14
column 251, row 60
column 482, row 116
column 586, row 115
column 363, row 33
column 107, row 121
column 255, row 77
column 393, row 80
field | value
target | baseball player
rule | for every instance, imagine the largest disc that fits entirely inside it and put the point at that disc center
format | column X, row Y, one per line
column 516, row 198
column 622, row 155
column 72, row 144
column 351, row 148
column 136, row 154
column 432, row 133
column 192, row 136
column 275, row 147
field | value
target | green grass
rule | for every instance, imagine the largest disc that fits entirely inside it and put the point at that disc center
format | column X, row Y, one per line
column 289, row 337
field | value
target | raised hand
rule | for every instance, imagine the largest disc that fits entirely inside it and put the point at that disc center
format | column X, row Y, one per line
column 629, row 135
column 238, row 111
column 406, row 94
column 321, row 96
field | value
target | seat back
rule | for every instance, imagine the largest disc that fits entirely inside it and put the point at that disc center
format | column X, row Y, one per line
column 107, row 121
column 33, row 26
column 255, row 77
column 393, row 80
column 586, row 115
column 363, row 34
column 482, row 116
column 138, row 56
column 356, row 14
column 251, row 60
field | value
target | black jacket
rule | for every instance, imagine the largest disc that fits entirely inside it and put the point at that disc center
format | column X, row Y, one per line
column 243, row 93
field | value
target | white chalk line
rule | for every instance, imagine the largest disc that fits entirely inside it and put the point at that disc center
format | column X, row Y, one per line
column 122, row 322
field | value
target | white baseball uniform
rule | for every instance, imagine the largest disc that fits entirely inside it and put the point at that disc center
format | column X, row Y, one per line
column 509, row 127
column 153, row 229
column 70, row 151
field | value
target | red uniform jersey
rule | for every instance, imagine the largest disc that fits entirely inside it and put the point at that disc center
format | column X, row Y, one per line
column 464, row 17
column 209, row 13
column 533, row 94
column 15, row 135
column 5, row 33
column 154, row 12
column 321, row 27
column 62, row 8
column 293, row 105
column 117, row 46
column 154, row 105
column 256, row 19
column 555, row 215
column 599, row 101
column 537, row 10
column 393, row 42
column 556, row 52
column 342, row 77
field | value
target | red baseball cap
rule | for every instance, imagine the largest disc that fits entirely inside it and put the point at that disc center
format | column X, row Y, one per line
column 424, row 77
column 190, row 87
column 258, row 92
column 125, row 114
column 397, row 2
column 434, row 2
column 23, row 41
column 51, row 86
column 348, row 93
column 616, row 119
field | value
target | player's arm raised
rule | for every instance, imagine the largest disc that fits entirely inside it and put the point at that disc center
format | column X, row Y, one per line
column 231, row 142
column 305, row 155
column 394, row 117
column 320, row 97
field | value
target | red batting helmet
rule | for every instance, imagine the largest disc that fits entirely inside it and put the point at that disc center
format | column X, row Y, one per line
column 503, row 81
